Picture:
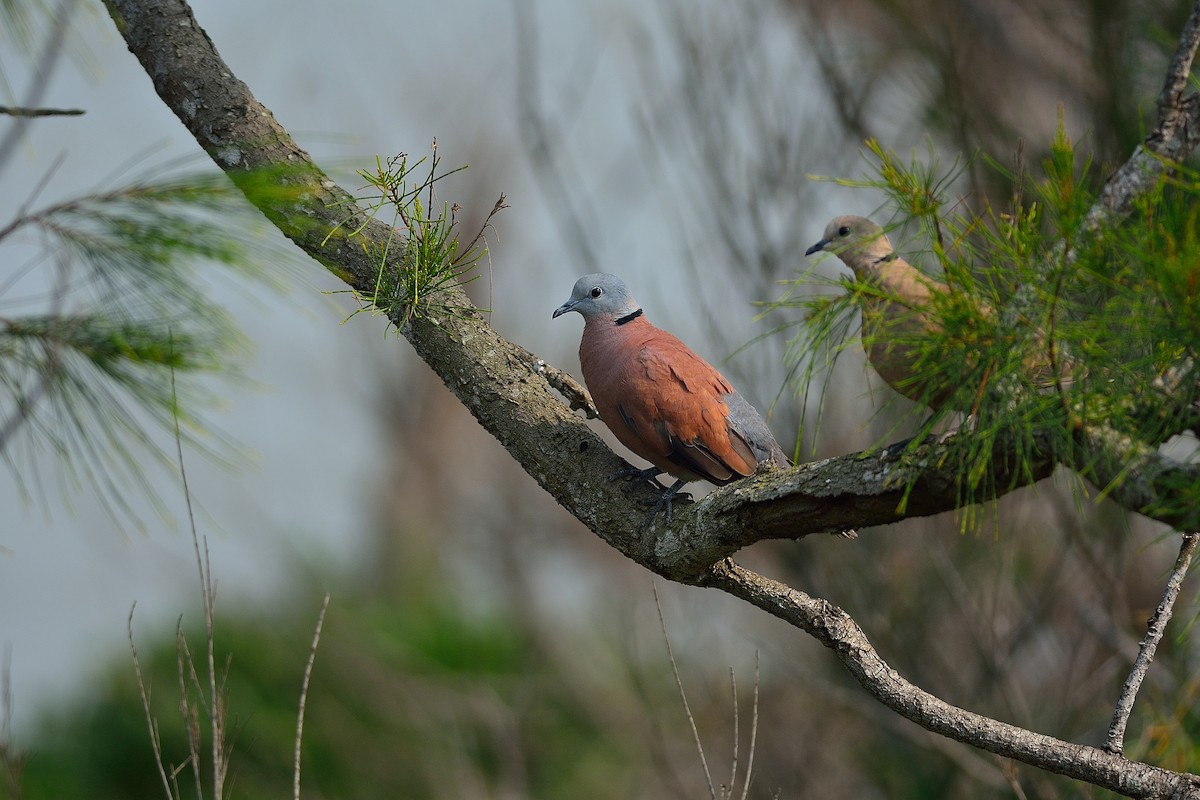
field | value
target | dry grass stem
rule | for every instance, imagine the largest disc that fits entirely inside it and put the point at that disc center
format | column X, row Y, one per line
column 312, row 655
column 683, row 697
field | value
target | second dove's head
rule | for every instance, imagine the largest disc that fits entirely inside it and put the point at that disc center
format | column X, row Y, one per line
column 857, row 241
column 599, row 295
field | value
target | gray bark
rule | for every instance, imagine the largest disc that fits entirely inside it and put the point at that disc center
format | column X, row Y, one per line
column 509, row 391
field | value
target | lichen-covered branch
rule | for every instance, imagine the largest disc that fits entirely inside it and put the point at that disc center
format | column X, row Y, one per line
column 501, row 383
column 835, row 629
column 1173, row 138
column 506, row 388
column 1140, row 477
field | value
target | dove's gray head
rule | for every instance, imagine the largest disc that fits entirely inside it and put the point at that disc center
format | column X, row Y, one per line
column 858, row 242
column 600, row 295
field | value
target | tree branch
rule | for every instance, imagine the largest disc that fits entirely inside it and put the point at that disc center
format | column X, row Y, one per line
column 1157, row 625
column 501, row 383
column 505, row 388
column 24, row 111
column 1175, row 136
column 1139, row 477
column 835, row 629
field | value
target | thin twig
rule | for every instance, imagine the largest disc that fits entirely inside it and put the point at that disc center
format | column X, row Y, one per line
column 175, row 780
column 187, row 711
column 9, row 755
column 1008, row 769
column 151, row 723
column 48, row 60
column 577, row 396
column 753, row 727
column 23, row 111
column 728, row 792
column 487, row 223
column 1115, row 741
column 312, row 655
column 208, row 593
column 683, row 696
column 835, row 629
column 214, row 708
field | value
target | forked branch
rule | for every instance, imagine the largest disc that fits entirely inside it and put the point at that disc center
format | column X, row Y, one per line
column 1114, row 742
column 505, row 388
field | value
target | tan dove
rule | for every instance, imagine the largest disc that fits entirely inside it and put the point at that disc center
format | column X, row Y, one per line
column 901, row 309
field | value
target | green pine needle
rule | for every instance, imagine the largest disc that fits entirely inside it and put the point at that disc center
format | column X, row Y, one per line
column 117, row 304
column 425, row 257
column 1037, row 340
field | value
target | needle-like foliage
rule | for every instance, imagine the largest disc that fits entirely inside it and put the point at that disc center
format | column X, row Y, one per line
column 425, row 256
column 93, row 324
column 1047, row 329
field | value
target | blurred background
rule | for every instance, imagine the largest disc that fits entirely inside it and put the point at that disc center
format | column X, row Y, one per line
column 480, row 643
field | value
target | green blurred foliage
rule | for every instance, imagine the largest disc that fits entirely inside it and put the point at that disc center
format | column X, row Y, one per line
column 411, row 699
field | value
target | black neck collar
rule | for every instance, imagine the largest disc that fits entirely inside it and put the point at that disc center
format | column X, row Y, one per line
column 630, row 317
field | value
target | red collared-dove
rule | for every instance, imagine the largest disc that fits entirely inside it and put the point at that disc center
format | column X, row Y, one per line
column 660, row 399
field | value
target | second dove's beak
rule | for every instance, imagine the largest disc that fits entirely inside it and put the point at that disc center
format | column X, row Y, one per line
column 816, row 248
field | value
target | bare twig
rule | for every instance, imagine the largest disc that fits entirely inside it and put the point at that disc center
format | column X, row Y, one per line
column 188, row 712
column 728, row 792
column 312, row 655
column 753, row 728
column 1155, row 628
column 835, row 629
column 208, row 594
column 577, row 396
column 1008, row 769
column 10, row 758
column 186, row 672
column 23, row 111
column 50, row 54
column 465, row 252
column 151, row 722
column 683, row 697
